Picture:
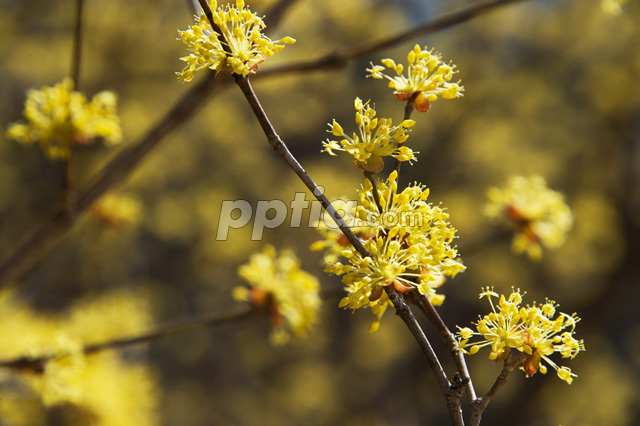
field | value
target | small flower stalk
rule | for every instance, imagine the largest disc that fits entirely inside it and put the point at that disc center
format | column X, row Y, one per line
column 534, row 330
column 541, row 216
column 377, row 138
column 239, row 49
column 410, row 242
column 290, row 294
column 427, row 78
column 59, row 118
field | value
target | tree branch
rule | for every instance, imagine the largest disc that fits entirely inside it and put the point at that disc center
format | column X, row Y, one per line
column 449, row 340
column 159, row 331
column 337, row 59
column 480, row 405
column 450, row 393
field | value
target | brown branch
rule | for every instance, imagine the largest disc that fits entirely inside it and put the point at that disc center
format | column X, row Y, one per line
column 449, row 340
column 281, row 148
column 76, row 54
column 451, row 394
column 480, row 405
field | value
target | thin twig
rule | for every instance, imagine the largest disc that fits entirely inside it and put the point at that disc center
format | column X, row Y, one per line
column 281, row 148
column 480, row 405
column 68, row 187
column 76, row 54
column 374, row 190
column 159, row 331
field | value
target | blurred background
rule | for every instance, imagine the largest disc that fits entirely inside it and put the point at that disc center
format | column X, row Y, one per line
column 551, row 88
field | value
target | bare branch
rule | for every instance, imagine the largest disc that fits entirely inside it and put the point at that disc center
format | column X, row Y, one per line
column 480, row 404
column 450, row 393
column 163, row 330
column 449, row 340
column 337, row 59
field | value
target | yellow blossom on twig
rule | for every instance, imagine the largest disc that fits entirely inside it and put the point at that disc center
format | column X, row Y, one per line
column 532, row 330
column 427, row 78
column 290, row 294
column 241, row 36
column 540, row 214
column 410, row 246
column 378, row 138
column 59, row 118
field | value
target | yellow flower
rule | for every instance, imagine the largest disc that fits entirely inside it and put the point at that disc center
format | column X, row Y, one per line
column 540, row 214
column 117, row 210
column 278, row 284
column 59, row 118
column 241, row 35
column 532, row 330
column 61, row 379
column 410, row 248
column 378, row 138
column 612, row 7
column 427, row 76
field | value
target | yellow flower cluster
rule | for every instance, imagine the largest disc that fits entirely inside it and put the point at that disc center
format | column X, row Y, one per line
column 540, row 214
column 290, row 294
column 246, row 45
column 410, row 246
column 107, row 390
column 117, row 210
column 532, row 330
column 612, row 7
column 59, row 118
column 378, row 138
column 427, row 76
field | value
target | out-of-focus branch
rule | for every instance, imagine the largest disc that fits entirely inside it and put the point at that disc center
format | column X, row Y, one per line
column 163, row 330
column 337, row 59
column 35, row 245
column 76, row 54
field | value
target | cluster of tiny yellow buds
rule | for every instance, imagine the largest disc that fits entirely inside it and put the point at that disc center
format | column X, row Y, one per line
column 612, row 7
column 378, row 138
column 59, row 118
column 532, row 330
column 240, row 47
column 427, row 78
column 409, row 243
column 539, row 213
column 290, row 294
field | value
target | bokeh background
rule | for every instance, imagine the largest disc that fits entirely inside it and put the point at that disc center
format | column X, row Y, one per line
column 551, row 88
